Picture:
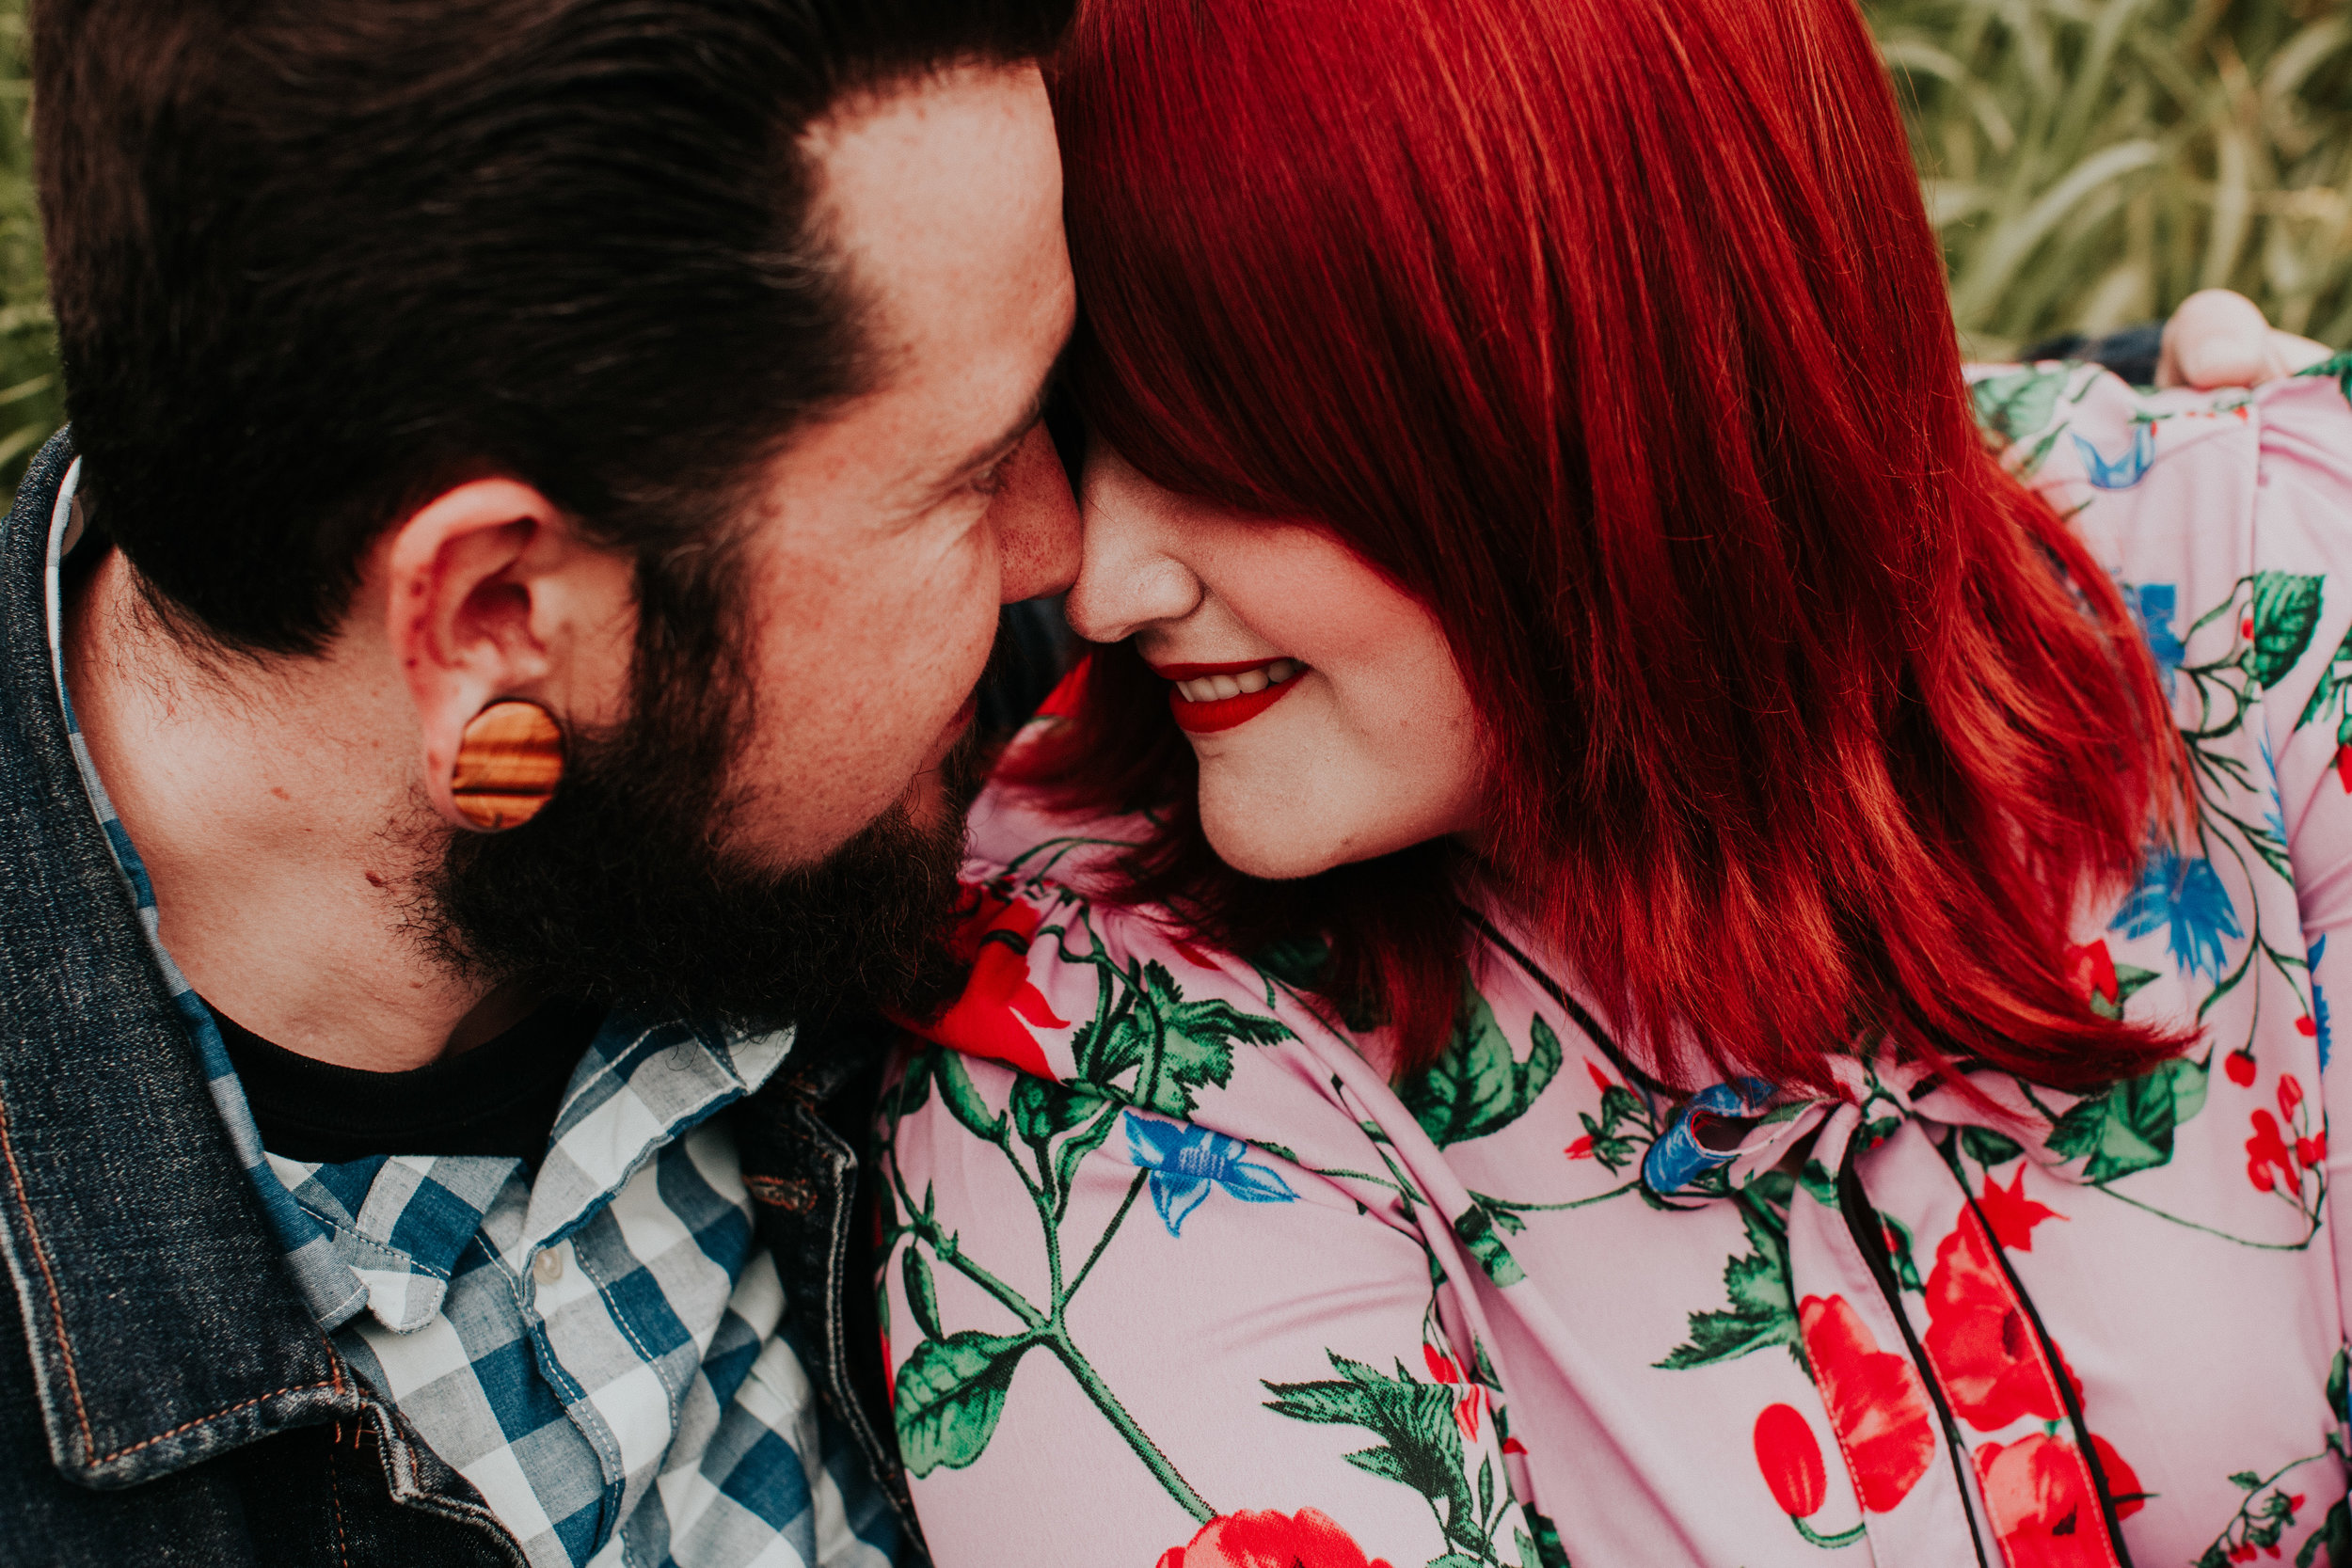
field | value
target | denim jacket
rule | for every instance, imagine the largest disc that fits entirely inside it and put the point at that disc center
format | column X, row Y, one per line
column 166, row 1396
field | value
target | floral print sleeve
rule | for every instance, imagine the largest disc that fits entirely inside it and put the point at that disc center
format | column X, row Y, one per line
column 1174, row 1277
column 1065, row 1241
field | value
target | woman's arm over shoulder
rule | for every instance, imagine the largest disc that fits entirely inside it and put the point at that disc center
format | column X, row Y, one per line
column 1109, row 1326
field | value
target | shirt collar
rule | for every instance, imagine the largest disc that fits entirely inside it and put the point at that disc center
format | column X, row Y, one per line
column 386, row 1233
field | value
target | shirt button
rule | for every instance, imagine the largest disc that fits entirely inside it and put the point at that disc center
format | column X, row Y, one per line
column 549, row 1266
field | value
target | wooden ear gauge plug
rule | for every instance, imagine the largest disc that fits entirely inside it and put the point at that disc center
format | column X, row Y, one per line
column 509, row 761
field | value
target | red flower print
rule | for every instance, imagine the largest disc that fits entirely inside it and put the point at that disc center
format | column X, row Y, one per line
column 991, row 1019
column 2266, row 1151
column 1269, row 1540
column 1979, row 1341
column 1581, row 1149
column 2090, row 969
column 1063, row 700
column 2239, row 1064
column 2123, row 1483
column 1600, row 1079
column 1190, row 954
column 1875, row 1399
column 2044, row 1508
column 2344, row 765
column 2290, row 1096
column 1466, row 1409
column 1790, row 1457
column 2012, row 1215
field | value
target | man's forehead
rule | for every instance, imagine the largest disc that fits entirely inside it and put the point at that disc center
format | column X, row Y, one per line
column 945, row 201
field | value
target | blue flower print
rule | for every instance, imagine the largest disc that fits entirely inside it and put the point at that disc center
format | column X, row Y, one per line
column 2126, row 470
column 2152, row 605
column 1187, row 1161
column 1685, row 1153
column 2319, row 1002
column 2187, row 896
column 2274, row 811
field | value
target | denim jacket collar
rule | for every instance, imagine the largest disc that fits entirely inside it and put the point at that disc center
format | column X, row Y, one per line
column 162, row 1325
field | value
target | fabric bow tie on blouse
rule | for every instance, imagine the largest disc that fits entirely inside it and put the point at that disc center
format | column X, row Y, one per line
column 1948, row 1394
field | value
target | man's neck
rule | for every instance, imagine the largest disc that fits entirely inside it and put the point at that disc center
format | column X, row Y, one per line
column 275, row 808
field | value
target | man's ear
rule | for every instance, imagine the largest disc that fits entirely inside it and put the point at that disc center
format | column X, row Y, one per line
column 490, row 592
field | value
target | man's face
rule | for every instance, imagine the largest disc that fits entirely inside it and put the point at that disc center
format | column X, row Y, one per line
column 892, row 532
column 779, row 829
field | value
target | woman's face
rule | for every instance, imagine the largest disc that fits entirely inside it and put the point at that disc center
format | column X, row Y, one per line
column 1323, row 703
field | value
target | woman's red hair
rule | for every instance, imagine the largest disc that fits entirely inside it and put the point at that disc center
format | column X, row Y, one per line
column 1615, row 331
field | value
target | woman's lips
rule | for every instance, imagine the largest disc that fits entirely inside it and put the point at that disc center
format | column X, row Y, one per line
column 1222, row 713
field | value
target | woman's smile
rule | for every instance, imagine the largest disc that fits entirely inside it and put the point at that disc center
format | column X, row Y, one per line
column 1208, row 697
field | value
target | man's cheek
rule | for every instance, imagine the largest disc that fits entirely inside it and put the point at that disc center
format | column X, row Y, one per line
column 926, row 801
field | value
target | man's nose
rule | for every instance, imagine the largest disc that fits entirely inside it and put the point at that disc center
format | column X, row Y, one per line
column 1037, row 521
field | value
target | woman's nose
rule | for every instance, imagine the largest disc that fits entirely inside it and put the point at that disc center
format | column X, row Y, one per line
column 1129, row 576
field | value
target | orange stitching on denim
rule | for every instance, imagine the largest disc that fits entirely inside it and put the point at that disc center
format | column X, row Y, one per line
column 215, row 1416
column 56, row 1307
column 65, row 1341
column 335, row 1491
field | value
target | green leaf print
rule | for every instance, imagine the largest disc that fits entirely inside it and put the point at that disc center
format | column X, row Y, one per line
column 1476, row 1230
column 2129, row 978
column 2329, row 690
column 1298, row 962
column 2129, row 1127
column 950, row 1393
column 1762, row 1312
column 1170, row 1045
column 1478, row 1087
column 1899, row 1252
column 913, row 1089
column 961, row 1100
column 1988, row 1147
column 1298, row 965
column 2340, row 367
column 2286, row 609
column 1420, row 1447
column 1042, row 1109
column 1548, row 1552
column 922, row 1295
column 2016, row 405
column 2334, row 1534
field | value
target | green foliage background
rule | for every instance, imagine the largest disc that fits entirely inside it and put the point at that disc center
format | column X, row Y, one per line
column 2091, row 161
column 2087, row 162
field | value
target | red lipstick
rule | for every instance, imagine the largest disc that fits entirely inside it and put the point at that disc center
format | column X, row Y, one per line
column 1223, row 713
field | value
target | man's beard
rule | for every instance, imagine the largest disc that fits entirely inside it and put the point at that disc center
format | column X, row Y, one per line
column 622, row 891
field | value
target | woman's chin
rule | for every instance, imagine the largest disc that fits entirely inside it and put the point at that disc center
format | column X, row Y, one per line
column 1273, row 851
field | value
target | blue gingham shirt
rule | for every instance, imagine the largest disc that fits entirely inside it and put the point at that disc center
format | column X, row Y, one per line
column 597, row 1350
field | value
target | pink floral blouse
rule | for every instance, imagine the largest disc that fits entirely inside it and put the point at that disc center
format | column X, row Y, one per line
column 1175, row 1278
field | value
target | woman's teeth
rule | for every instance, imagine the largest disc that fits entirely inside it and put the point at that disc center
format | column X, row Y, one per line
column 1210, row 688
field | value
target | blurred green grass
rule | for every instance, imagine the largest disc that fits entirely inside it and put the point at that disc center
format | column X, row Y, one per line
column 2088, row 163
column 31, row 405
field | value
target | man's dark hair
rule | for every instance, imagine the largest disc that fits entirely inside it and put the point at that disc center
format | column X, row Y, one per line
column 314, row 262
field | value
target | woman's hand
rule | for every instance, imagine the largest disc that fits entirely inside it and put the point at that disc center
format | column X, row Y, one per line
column 2221, row 339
